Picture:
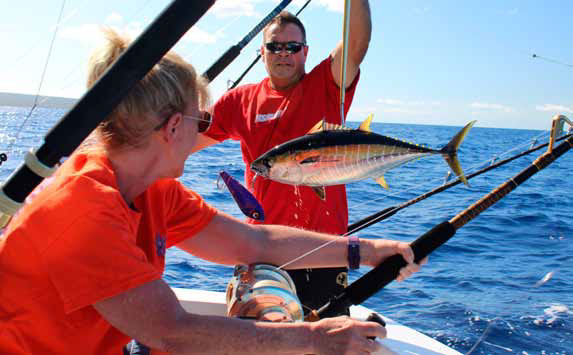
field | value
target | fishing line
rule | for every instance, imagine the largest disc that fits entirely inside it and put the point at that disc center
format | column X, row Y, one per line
column 27, row 52
column 236, row 82
column 78, row 66
column 198, row 48
column 391, row 211
column 387, row 212
column 484, row 334
column 552, row 60
column 38, row 100
column 41, row 78
column 394, row 209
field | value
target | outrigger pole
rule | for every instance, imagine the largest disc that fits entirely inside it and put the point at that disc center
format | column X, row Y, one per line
column 100, row 101
column 233, row 52
column 390, row 211
column 387, row 271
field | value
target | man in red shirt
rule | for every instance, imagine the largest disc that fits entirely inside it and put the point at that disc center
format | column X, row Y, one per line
column 286, row 105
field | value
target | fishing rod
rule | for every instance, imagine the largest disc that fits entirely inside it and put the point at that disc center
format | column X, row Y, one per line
column 345, row 33
column 100, row 101
column 236, row 82
column 390, row 211
column 389, row 269
column 233, row 52
column 554, row 61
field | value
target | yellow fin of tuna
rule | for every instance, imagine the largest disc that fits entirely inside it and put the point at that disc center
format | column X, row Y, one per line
column 319, row 126
column 322, row 125
column 365, row 126
column 319, row 190
column 382, row 182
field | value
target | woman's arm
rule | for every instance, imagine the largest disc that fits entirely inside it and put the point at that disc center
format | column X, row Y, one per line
column 227, row 240
column 152, row 314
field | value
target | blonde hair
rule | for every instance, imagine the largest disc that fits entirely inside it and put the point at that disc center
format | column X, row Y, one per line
column 168, row 88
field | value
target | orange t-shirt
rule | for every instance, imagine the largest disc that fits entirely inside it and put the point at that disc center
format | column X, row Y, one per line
column 77, row 242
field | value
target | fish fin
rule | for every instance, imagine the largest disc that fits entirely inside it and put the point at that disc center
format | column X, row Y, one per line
column 326, row 126
column 319, row 126
column 382, row 182
column 319, row 190
column 365, row 126
column 450, row 152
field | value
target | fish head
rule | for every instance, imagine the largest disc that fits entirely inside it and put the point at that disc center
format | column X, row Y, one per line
column 282, row 169
column 262, row 166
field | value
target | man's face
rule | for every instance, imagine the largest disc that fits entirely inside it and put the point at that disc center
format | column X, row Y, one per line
column 284, row 68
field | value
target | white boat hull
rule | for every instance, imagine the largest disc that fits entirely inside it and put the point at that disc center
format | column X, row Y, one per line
column 400, row 339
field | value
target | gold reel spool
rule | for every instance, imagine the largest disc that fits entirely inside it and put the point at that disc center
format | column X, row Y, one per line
column 263, row 292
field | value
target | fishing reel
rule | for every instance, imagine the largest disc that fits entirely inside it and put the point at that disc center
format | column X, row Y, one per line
column 263, row 292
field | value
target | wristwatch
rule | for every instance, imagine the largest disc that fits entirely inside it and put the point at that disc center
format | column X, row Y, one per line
column 353, row 252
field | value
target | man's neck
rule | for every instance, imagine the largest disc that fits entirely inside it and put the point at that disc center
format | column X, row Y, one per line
column 282, row 85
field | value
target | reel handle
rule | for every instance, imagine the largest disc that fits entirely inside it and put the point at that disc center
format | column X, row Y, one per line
column 374, row 317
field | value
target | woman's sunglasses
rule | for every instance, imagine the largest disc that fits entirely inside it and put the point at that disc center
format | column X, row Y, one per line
column 289, row 47
column 203, row 121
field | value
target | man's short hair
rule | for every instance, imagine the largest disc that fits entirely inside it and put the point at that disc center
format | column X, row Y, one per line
column 285, row 18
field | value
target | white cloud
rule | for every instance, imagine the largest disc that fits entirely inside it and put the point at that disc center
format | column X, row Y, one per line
column 233, row 8
column 493, row 107
column 390, row 102
column 554, row 108
column 89, row 34
column 333, row 5
column 114, row 17
column 197, row 35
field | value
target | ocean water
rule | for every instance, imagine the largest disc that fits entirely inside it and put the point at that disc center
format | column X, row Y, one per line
column 502, row 285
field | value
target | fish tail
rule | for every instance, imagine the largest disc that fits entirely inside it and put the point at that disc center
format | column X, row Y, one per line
column 450, row 152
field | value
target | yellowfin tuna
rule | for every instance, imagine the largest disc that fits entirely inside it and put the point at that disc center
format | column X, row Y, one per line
column 332, row 155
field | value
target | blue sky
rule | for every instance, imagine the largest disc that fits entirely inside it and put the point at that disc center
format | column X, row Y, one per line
column 430, row 62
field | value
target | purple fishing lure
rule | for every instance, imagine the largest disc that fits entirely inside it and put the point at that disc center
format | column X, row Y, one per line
column 243, row 197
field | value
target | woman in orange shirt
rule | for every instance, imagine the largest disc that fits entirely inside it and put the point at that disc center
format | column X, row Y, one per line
column 81, row 264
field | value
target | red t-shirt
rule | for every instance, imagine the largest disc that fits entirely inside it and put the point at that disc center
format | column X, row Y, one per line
column 78, row 242
column 261, row 118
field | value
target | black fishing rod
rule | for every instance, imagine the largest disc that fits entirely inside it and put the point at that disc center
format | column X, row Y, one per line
column 233, row 52
column 100, row 101
column 236, row 82
column 388, row 270
column 390, row 211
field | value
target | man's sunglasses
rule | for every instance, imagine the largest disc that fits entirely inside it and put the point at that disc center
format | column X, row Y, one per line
column 203, row 121
column 289, row 47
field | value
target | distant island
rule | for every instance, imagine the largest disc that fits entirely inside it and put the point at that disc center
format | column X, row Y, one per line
column 23, row 100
